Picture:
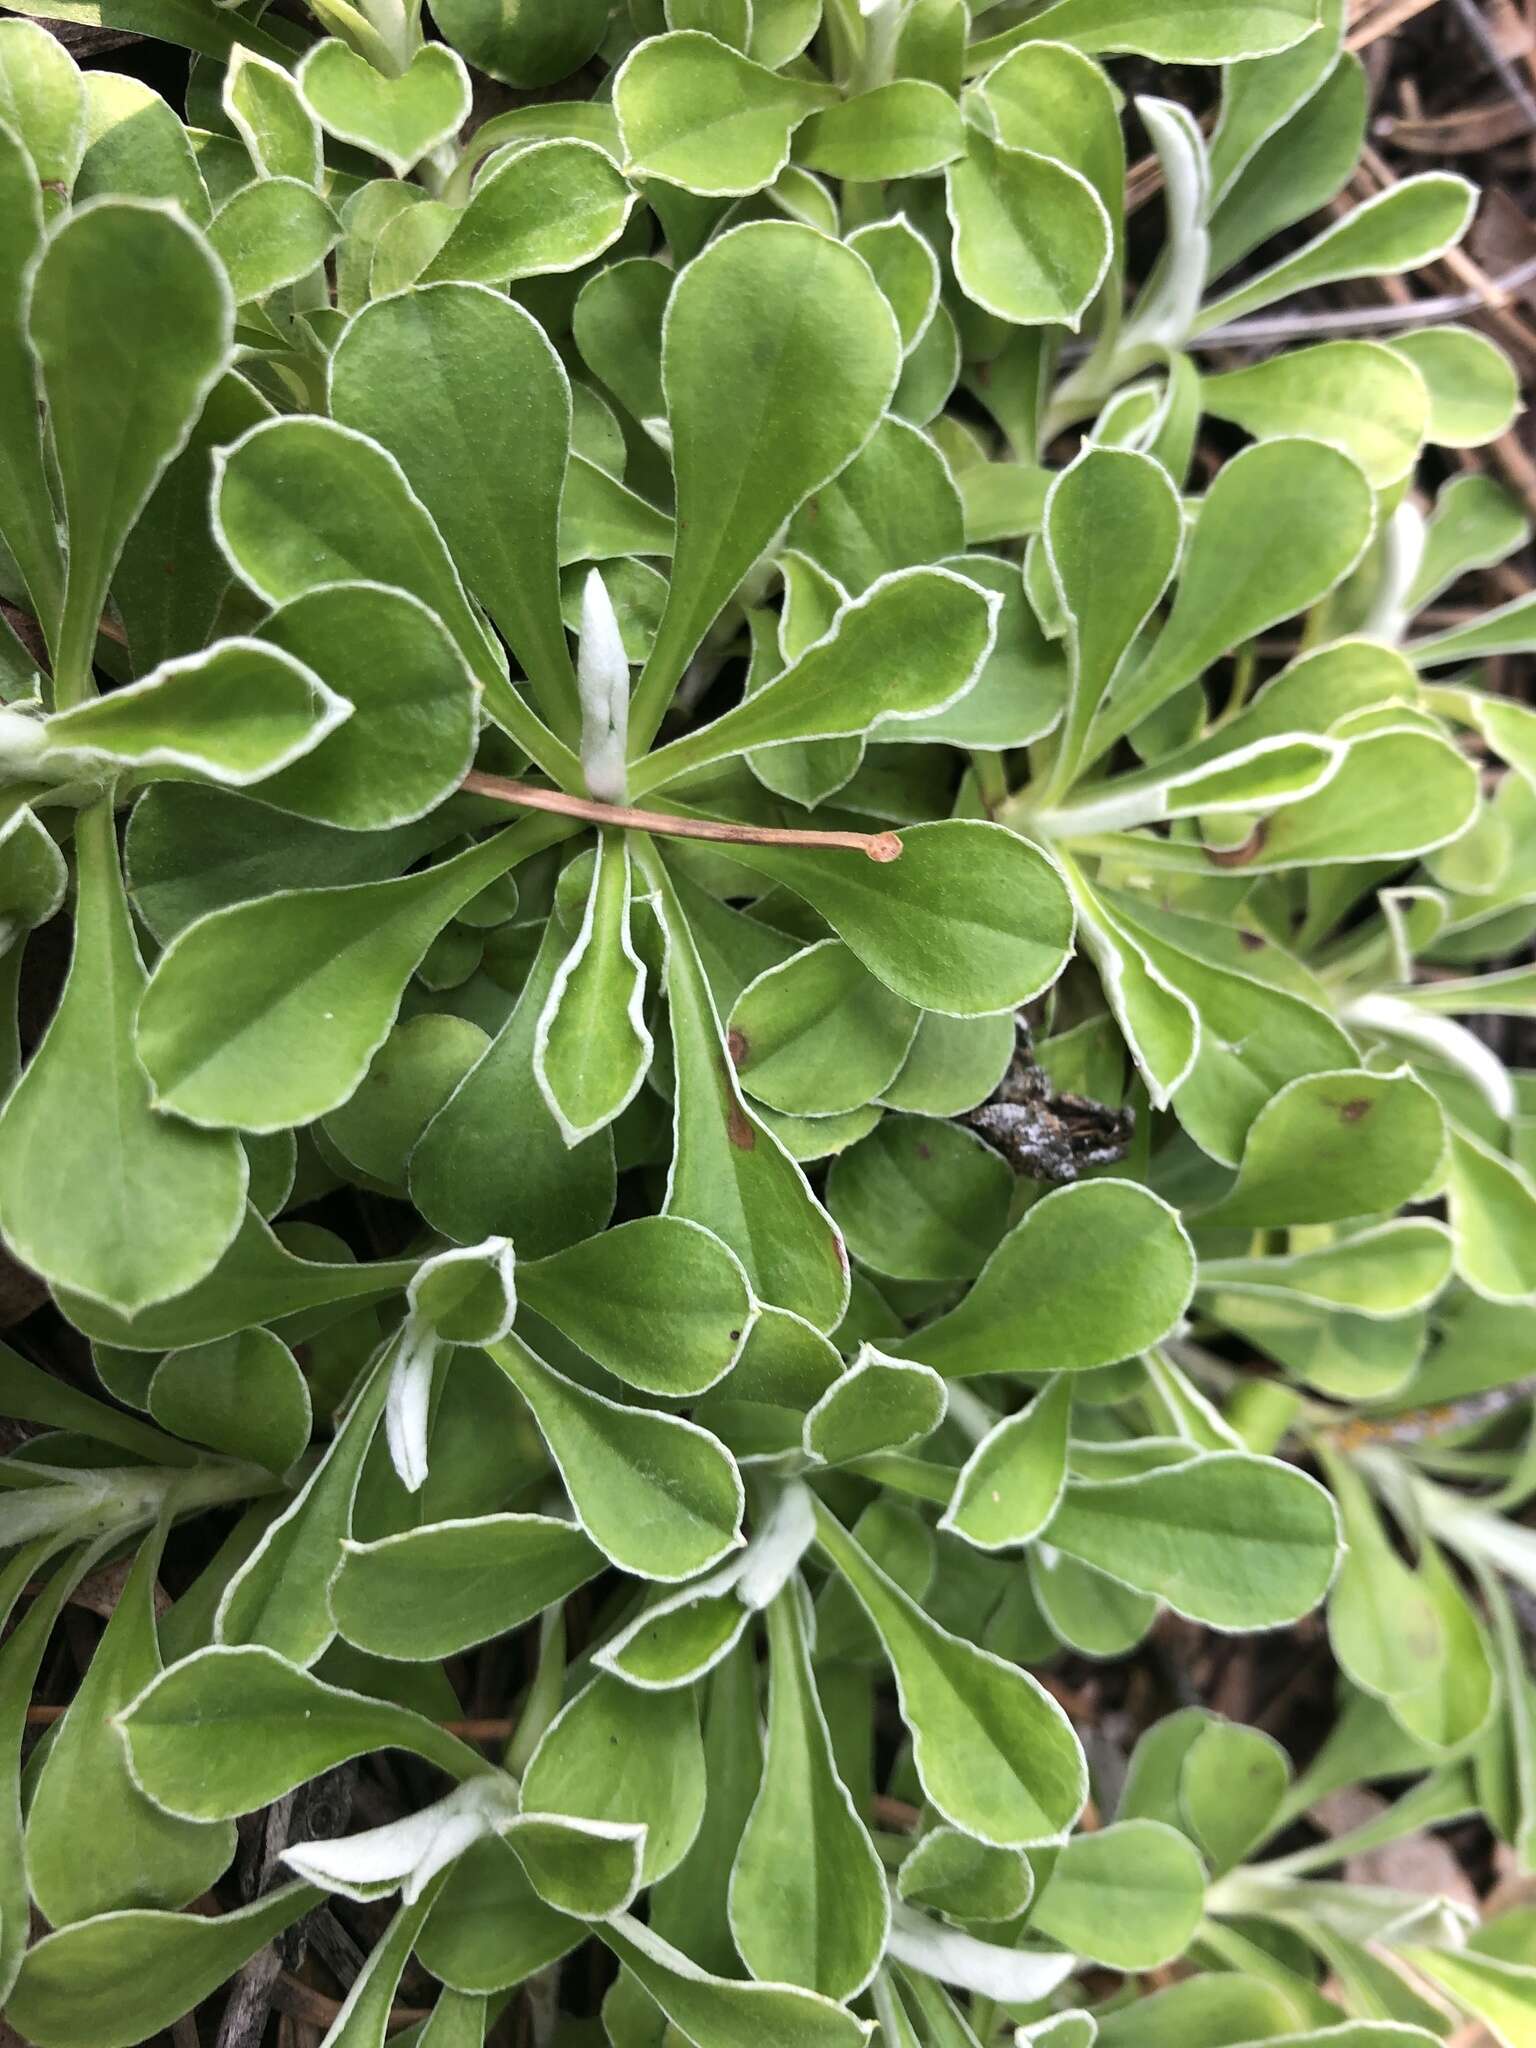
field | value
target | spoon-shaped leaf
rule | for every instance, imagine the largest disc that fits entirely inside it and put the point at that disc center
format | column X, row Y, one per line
column 27, row 518
column 994, row 1752
column 1094, row 1273
column 1113, row 529
column 139, row 1854
column 125, row 1977
column 1335, row 1145
column 411, row 738
column 592, row 1047
column 779, row 354
column 808, row 1900
column 913, row 644
column 879, row 1404
column 234, row 714
column 299, row 503
column 722, row 2012
column 1228, row 1539
column 279, row 1596
column 436, row 1590
column 970, row 920
column 1409, row 224
column 98, row 1192
column 1388, row 1271
column 551, row 207
column 227, row 1731
column 493, row 1160
column 662, row 1302
column 657, row 1494
column 1284, row 521
column 244, row 1396
column 1011, row 1483
column 1032, row 237
column 1224, row 32
column 728, row 1171
column 267, row 1014
column 819, row 1035
column 613, row 1753
column 699, row 114
column 256, row 1281
column 465, row 391
column 131, row 320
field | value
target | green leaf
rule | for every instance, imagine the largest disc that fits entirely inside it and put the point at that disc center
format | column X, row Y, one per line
column 1032, row 239
column 1228, row 1539
column 1400, row 229
column 728, row 1172
column 680, row 1637
column 921, row 1199
column 1388, row 1271
column 1473, row 392
column 879, row 1404
column 227, row 1731
column 1359, row 395
column 906, row 271
column 1011, row 1484
column 131, row 321
column 1230, row 1788
column 27, row 518
column 699, row 114
column 399, row 119
column 273, row 122
column 271, row 233
column 441, row 1588
column 808, row 1901
column 719, row 2012
column 592, row 1047
column 257, row 1280
column 123, row 1977
column 98, row 1191
column 234, row 714
column 1283, row 522
column 464, row 390
column 1095, row 1272
column 411, row 738
column 1112, row 533
column 819, row 1035
column 661, row 1302
column 139, row 1855
column 955, row 1063
column 243, row 1396
column 267, row 1014
column 279, row 1597
column 965, row 1880
column 614, row 1753
column 548, row 208
column 899, row 130
column 911, row 645
column 1298, row 168
column 1397, row 793
column 994, row 1753
column 658, row 1495
column 42, row 100
column 779, row 354
column 520, row 41
column 1130, row 1895
column 1331, row 1146
column 970, row 920
column 1492, row 1206
column 1163, row 29
column 1161, row 1026
column 195, row 24
column 493, row 1162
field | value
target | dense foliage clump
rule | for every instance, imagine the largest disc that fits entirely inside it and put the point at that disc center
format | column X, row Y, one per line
column 768, row 899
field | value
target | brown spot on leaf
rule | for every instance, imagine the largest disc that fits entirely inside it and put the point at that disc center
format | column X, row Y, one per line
column 923, row 1151
column 737, row 1045
column 740, row 1129
column 1239, row 856
column 1252, row 942
column 1357, row 1106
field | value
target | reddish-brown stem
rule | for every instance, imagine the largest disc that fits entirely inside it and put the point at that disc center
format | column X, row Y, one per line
column 876, row 846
